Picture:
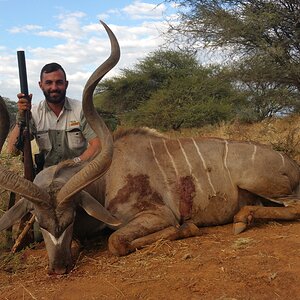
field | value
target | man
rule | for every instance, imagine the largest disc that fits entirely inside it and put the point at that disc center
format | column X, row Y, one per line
column 57, row 123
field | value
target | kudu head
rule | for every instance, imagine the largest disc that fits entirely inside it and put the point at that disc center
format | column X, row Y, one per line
column 57, row 191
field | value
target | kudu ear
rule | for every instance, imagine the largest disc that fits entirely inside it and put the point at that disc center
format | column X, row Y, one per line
column 96, row 210
column 15, row 213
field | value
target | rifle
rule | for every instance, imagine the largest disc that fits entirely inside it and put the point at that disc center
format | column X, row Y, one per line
column 24, row 137
column 24, row 144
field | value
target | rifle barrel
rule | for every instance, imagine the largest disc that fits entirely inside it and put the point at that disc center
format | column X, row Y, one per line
column 27, row 153
column 22, row 72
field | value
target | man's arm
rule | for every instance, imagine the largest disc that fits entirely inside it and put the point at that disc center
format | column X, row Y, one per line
column 11, row 141
column 92, row 150
column 23, row 104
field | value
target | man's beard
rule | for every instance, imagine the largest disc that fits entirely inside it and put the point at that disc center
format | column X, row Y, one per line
column 57, row 98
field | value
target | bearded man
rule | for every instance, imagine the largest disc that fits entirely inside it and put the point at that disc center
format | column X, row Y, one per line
column 57, row 123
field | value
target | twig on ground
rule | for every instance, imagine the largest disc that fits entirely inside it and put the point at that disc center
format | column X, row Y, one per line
column 23, row 234
column 28, row 291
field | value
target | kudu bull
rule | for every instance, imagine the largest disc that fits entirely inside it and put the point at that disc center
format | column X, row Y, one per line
column 152, row 187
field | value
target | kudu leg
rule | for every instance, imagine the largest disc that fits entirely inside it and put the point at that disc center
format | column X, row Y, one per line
column 248, row 214
column 170, row 233
column 147, row 229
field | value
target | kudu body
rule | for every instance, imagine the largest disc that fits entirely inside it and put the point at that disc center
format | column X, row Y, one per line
column 161, row 187
column 153, row 187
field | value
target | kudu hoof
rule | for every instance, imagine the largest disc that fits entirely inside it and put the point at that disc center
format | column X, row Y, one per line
column 239, row 227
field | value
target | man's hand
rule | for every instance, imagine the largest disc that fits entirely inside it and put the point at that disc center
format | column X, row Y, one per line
column 23, row 104
column 92, row 150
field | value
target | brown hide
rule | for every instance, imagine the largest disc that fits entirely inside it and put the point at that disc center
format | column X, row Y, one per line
column 198, row 179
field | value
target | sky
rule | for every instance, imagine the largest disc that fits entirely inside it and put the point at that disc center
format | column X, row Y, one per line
column 68, row 32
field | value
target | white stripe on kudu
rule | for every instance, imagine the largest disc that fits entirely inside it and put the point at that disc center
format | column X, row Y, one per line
column 205, row 167
column 190, row 166
column 171, row 158
column 254, row 153
column 282, row 158
column 173, row 205
column 158, row 164
column 225, row 162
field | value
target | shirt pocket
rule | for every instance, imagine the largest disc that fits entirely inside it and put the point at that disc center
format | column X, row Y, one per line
column 43, row 141
column 75, row 139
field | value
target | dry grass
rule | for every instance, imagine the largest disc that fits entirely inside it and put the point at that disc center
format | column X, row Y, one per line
column 283, row 134
column 242, row 243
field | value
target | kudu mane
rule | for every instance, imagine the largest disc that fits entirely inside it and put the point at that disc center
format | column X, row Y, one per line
column 144, row 131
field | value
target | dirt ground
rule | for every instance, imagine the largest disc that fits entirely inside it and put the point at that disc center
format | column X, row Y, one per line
column 261, row 263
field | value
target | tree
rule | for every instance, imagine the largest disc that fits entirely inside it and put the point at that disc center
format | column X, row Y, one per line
column 263, row 95
column 169, row 89
column 12, row 110
column 259, row 34
column 135, row 86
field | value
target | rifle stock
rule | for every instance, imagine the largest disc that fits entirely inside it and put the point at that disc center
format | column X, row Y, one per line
column 27, row 152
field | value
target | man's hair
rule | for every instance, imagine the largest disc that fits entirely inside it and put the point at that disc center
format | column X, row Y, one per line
column 52, row 67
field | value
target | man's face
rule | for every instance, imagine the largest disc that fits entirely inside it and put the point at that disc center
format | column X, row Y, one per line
column 54, row 86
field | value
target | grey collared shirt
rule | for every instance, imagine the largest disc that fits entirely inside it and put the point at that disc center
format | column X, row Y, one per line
column 62, row 137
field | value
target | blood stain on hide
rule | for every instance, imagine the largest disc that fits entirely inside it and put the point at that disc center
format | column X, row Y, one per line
column 139, row 185
column 186, row 191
